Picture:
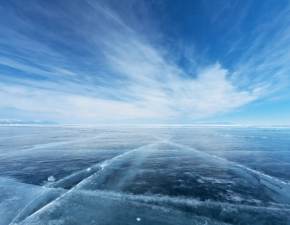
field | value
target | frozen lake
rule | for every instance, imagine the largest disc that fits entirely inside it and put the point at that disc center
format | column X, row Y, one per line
column 150, row 175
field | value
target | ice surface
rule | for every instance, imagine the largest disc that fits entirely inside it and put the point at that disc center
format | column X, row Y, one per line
column 165, row 175
column 17, row 200
column 95, row 208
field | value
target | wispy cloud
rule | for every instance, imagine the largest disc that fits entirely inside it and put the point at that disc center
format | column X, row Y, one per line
column 96, row 68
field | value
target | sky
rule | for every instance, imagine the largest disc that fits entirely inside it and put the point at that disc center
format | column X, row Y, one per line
column 134, row 61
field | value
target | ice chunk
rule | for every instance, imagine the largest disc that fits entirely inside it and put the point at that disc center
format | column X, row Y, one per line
column 51, row 179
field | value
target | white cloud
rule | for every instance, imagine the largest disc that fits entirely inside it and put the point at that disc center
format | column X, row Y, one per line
column 142, row 83
column 165, row 99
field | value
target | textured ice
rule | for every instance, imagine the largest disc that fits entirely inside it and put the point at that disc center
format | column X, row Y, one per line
column 146, row 176
column 17, row 200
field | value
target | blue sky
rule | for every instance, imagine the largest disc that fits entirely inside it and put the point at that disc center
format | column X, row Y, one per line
column 91, row 62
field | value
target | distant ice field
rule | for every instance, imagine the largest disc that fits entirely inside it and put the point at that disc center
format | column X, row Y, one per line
column 144, row 175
